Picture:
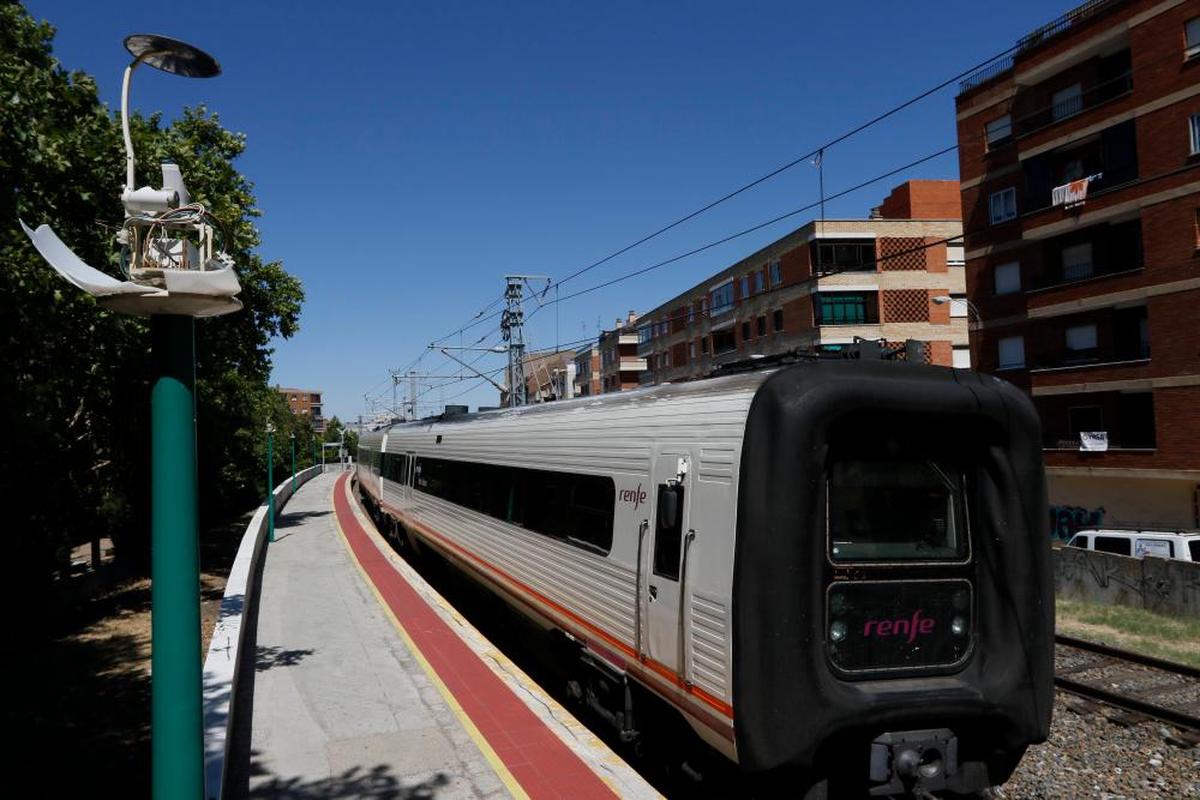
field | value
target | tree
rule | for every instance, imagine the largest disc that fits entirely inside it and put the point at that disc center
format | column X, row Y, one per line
column 76, row 378
column 335, row 429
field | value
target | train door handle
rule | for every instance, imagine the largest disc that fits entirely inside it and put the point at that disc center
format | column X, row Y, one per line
column 653, row 592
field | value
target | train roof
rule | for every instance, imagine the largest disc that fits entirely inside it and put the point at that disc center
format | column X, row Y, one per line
column 722, row 385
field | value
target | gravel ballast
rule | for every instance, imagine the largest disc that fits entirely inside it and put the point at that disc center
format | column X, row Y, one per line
column 1099, row 751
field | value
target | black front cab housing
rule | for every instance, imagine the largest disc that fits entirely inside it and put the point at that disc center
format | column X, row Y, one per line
column 794, row 708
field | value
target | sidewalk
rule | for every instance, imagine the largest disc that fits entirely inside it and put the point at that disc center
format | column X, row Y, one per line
column 367, row 684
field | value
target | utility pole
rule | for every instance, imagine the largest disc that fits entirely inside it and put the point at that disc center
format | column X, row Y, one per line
column 412, row 395
column 512, row 323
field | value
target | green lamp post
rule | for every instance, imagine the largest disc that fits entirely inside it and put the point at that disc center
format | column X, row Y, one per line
column 270, row 484
column 175, row 274
column 293, row 438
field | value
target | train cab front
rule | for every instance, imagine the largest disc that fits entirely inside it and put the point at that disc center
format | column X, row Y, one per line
column 893, row 605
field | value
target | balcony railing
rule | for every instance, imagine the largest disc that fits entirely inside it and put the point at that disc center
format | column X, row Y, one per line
column 1117, row 440
column 1117, row 354
column 1078, row 272
column 1064, row 23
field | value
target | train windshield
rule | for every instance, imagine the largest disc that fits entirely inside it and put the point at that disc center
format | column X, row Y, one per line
column 896, row 510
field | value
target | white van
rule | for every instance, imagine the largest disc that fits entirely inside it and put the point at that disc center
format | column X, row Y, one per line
column 1184, row 546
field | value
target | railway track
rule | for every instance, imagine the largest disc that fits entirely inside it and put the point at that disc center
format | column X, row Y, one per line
column 1141, row 684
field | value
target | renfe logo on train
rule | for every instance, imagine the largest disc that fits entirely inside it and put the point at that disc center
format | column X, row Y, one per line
column 636, row 496
column 900, row 627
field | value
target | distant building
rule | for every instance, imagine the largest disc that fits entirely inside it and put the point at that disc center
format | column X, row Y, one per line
column 549, row 375
column 305, row 403
column 587, row 370
column 1080, row 165
column 896, row 276
column 621, row 367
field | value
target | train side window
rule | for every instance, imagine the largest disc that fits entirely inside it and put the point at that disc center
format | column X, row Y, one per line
column 1112, row 544
column 668, row 531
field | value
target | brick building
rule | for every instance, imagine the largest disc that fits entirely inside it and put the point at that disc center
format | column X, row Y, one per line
column 620, row 365
column 1080, row 166
column 587, row 370
column 304, row 403
column 895, row 276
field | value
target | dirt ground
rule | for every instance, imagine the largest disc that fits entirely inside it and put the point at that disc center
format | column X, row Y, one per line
column 80, row 720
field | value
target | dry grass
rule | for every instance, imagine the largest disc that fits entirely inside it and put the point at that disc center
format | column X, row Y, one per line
column 1173, row 638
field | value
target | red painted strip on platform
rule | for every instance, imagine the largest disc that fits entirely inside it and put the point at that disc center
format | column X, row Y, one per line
column 540, row 761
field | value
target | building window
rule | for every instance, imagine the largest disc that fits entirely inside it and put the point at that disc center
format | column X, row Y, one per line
column 723, row 342
column 666, row 359
column 1004, row 205
column 722, row 299
column 691, row 313
column 762, row 326
column 745, row 331
column 691, row 351
column 1191, row 36
column 1081, row 338
column 1194, row 122
column 777, row 320
column 958, row 305
column 961, row 356
column 776, row 273
column 758, row 281
column 838, row 256
column 1082, row 419
column 1012, row 352
column 999, row 131
column 955, row 254
column 645, row 334
column 847, row 308
column 1008, row 278
column 704, row 346
column 1067, row 102
column 1077, row 262
column 745, row 286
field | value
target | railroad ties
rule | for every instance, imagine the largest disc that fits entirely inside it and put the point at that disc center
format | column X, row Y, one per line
column 1136, row 683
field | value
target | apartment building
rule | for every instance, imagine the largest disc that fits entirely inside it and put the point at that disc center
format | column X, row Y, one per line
column 895, row 276
column 587, row 370
column 304, row 403
column 1080, row 166
column 620, row 365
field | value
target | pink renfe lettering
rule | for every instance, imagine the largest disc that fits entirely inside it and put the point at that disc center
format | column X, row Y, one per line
column 910, row 628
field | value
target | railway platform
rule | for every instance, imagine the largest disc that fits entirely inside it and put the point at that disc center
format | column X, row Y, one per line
column 366, row 683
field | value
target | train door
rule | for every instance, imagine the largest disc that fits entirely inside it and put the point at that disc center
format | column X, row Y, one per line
column 410, row 468
column 663, row 572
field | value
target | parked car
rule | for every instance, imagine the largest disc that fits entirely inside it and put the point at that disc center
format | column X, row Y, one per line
column 1181, row 545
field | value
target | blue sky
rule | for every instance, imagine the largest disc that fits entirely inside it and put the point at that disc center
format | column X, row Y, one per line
column 408, row 155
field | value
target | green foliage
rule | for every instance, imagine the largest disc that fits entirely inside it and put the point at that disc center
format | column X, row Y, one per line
column 75, row 381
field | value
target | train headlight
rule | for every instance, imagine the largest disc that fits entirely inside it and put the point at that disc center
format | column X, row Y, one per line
column 837, row 631
column 958, row 626
column 837, row 603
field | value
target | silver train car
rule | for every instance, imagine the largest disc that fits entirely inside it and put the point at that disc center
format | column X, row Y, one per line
column 833, row 569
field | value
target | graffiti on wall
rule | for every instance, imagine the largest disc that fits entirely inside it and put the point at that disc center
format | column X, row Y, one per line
column 1066, row 521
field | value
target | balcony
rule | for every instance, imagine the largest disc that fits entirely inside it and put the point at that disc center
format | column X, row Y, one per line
column 1120, row 336
column 1127, row 419
column 1109, row 158
column 846, row 308
column 1114, row 78
column 832, row 257
column 1096, row 252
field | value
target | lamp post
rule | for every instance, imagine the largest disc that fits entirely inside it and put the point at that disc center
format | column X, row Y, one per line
column 270, row 484
column 175, row 274
column 972, row 310
column 292, row 436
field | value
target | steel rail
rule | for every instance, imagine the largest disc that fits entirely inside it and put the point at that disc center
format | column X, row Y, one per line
column 1135, row 704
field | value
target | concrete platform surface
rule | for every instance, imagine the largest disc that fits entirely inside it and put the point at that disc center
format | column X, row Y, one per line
column 367, row 684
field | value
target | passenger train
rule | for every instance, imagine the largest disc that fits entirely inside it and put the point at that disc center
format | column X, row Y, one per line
column 828, row 569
